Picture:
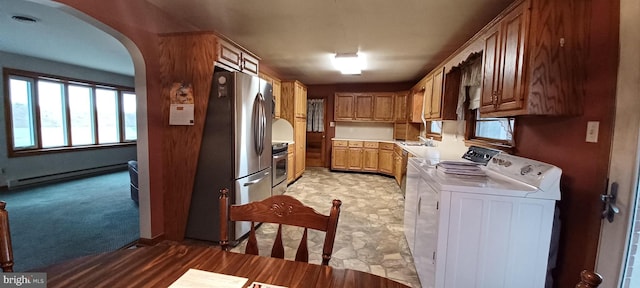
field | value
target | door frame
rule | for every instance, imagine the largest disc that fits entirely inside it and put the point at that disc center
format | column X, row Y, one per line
column 625, row 157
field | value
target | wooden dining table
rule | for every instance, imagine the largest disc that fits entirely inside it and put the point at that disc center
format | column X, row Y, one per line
column 161, row 265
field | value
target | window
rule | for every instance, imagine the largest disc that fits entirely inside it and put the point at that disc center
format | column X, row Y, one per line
column 491, row 131
column 434, row 128
column 50, row 113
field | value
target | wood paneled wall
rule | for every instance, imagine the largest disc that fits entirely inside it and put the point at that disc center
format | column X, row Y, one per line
column 561, row 140
column 187, row 58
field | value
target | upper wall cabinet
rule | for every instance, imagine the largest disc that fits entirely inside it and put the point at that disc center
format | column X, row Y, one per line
column 400, row 112
column 534, row 60
column 377, row 107
column 275, row 84
column 432, row 89
column 236, row 59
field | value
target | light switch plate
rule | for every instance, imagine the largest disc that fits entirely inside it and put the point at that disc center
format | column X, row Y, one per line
column 332, row 124
column 592, row 131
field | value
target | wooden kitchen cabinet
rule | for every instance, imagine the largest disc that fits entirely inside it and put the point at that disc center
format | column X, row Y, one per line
column 363, row 107
column 414, row 105
column 356, row 155
column 369, row 107
column 300, row 139
column 340, row 155
column 293, row 108
column 236, row 58
column 275, row 84
column 397, row 164
column 433, row 94
column 503, row 63
column 383, row 107
column 400, row 104
column 385, row 158
column 343, row 107
column 370, row 157
column 533, row 63
column 406, row 131
column 364, row 156
column 291, row 171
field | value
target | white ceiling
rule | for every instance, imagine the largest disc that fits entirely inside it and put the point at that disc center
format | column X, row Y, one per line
column 401, row 40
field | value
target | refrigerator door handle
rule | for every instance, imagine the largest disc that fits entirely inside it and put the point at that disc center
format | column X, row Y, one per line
column 257, row 180
column 257, row 122
column 263, row 122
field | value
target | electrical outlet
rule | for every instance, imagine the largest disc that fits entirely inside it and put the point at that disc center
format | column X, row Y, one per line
column 592, row 131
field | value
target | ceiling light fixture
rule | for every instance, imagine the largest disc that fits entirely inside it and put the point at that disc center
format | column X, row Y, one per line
column 24, row 19
column 349, row 63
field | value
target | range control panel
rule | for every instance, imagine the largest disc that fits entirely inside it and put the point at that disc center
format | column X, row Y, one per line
column 480, row 155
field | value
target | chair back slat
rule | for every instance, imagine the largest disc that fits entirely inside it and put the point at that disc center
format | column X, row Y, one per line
column 303, row 252
column 283, row 210
column 252, row 244
column 589, row 279
column 278, row 248
column 6, row 250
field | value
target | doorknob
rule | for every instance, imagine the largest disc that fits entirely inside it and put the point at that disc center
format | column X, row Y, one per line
column 610, row 208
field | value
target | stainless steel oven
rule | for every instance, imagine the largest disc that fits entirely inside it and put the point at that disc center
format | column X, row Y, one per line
column 279, row 168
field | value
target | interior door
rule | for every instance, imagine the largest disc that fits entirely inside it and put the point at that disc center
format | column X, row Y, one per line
column 615, row 236
column 316, row 133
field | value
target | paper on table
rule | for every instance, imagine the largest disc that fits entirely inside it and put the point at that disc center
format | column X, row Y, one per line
column 198, row 278
column 263, row 285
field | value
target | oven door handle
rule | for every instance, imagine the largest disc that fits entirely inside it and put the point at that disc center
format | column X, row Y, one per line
column 279, row 156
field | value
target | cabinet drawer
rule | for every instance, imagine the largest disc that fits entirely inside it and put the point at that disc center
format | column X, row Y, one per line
column 355, row 144
column 387, row 146
column 370, row 144
column 340, row 143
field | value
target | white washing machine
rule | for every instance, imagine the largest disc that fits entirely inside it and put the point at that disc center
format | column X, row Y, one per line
column 490, row 231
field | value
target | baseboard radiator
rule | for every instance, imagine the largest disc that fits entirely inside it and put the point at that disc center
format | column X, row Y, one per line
column 51, row 178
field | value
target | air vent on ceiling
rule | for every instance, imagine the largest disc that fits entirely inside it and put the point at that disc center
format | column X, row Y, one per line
column 24, row 19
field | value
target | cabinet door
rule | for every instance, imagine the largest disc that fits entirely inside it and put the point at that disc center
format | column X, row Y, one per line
column 491, row 69
column 383, row 107
column 426, row 237
column 276, row 98
column 363, row 107
column 300, row 100
column 385, row 161
column 436, row 98
column 415, row 106
column 339, row 158
column 428, row 94
column 300, row 139
column 400, row 103
column 397, row 167
column 355, row 159
column 510, row 94
column 370, row 162
column 343, row 107
column 249, row 64
column 229, row 55
column 291, row 164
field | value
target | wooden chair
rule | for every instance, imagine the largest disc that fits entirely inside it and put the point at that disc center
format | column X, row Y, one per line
column 589, row 279
column 6, row 252
column 280, row 209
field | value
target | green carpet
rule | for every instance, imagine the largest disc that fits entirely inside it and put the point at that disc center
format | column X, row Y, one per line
column 70, row 219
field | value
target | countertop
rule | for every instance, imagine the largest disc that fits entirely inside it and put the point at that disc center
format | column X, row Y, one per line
column 419, row 151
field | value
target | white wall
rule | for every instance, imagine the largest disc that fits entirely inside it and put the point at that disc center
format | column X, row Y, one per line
column 364, row 130
column 47, row 164
column 452, row 145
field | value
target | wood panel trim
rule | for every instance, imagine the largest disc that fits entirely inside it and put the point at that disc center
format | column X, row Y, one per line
column 185, row 58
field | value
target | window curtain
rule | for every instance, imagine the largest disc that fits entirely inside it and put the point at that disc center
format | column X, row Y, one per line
column 315, row 115
column 470, row 85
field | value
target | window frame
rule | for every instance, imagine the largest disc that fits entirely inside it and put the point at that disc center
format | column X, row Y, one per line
column 33, row 77
column 430, row 134
column 472, row 139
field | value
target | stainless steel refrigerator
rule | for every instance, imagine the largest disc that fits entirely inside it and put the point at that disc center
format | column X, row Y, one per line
column 235, row 153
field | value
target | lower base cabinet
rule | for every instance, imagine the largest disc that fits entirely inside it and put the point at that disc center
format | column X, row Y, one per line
column 363, row 156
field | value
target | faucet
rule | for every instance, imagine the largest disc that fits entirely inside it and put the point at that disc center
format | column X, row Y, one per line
column 427, row 142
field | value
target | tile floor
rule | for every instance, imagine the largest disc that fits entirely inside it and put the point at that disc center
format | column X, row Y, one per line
column 370, row 236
